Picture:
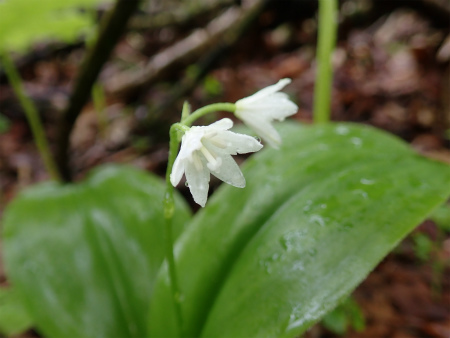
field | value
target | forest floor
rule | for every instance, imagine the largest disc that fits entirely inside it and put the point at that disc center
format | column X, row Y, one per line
column 392, row 73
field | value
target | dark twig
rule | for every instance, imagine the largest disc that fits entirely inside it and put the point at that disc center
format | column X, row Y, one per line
column 183, row 15
column 178, row 55
column 207, row 62
column 111, row 29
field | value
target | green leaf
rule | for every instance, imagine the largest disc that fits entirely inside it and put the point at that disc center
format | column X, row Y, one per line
column 356, row 315
column 441, row 216
column 24, row 22
column 315, row 218
column 423, row 246
column 84, row 257
column 344, row 315
column 14, row 319
column 336, row 321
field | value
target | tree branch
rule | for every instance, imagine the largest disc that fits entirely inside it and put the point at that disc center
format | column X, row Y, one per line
column 206, row 63
column 184, row 14
column 181, row 53
column 111, row 30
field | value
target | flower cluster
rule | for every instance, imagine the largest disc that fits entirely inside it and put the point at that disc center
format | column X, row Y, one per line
column 207, row 150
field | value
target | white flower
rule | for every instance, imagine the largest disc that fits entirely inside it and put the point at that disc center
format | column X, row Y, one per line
column 206, row 150
column 266, row 105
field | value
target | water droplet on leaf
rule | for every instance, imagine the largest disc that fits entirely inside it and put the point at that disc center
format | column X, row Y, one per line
column 366, row 181
column 341, row 130
column 356, row 141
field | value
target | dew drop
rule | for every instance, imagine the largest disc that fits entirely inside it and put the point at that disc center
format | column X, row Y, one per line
column 298, row 266
column 317, row 219
column 299, row 316
column 342, row 130
column 356, row 141
column 290, row 241
column 312, row 252
column 267, row 266
column 186, row 184
column 346, row 226
column 267, row 263
column 366, row 181
column 361, row 193
column 308, row 205
column 284, row 243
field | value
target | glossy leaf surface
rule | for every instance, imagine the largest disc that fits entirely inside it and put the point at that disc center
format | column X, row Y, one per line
column 84, row 257
column 314, row 219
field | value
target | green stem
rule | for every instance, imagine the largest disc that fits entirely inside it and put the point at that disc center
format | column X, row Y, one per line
column 169, row 204
column 325, row 45
column 32, row 116
column 175, row 289
column 186, row 111
column 230, row 107
column 169, row 209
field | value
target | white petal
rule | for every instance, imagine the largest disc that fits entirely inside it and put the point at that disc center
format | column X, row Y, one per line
column 229, row 172
column 264, row 92
column 190, row 142
column 233, row 143
column 177, row 171
column 264, row 129
column 198, row 182
column 274, row 107
column 223, row 124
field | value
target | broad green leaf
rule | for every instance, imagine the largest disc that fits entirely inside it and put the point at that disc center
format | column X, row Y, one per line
column 84, row 257
column 24, row 22
column 315, row 218
column 14, row 318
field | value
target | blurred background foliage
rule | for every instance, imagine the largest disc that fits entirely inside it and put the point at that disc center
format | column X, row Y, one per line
column 24, row 22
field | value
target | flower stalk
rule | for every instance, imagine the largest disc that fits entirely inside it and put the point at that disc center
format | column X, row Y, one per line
column 169, row 209
column 229, row 107
column 177, row 131
column 175, row 289
column 325, row 46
